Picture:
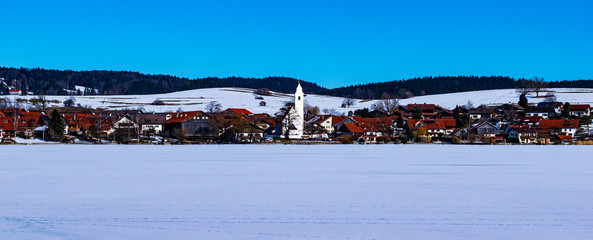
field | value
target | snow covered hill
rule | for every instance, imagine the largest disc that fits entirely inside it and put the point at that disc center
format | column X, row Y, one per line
column 244, row 98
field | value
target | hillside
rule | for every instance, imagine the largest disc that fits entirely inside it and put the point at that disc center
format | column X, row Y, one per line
column 61, row 82
column 58, row 82
column 244, row 98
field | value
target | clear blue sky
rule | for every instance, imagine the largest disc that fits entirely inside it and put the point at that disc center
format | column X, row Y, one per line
column 332, row 43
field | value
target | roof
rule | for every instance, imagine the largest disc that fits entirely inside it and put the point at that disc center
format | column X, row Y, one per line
column 353, row 128
column 579, row 107
column 449, row 122
column 531, row 119
column 564, row 137
column 481, row 111
column 240, row 111
column 422, row 107
column 182, row 116
column 560, row 123
column 428, row 124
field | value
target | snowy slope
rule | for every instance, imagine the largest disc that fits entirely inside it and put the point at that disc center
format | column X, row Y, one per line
column 315, row 192
column 244, row 98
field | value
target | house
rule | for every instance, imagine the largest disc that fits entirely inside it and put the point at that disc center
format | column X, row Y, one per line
column 350, row 128
column 561, row 126
column 428, row 110
column 379, row 126
column 484, row 128
column 239, row 112
column 529, row 135
column 191, row 125
column 338, row 121
column 531, row 121
column 580, row 110
column 543, row 112
column 15, row 92
column 510, row 111
column 247, row 133
column 563, row 139
column 76, row 123
column 433, row 127
column 556, row 107
column 481, row 113
column 152, row 123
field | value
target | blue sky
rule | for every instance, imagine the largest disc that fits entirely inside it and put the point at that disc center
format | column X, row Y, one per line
column 332, row 43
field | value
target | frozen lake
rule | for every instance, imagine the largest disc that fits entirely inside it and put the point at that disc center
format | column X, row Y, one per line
column 296, row 192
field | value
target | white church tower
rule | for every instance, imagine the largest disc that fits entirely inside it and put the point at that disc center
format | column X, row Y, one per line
column 299, row 107
column 299, row 101
column 294, row 120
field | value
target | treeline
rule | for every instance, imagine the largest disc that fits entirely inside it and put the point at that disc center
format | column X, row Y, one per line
column 54, row 82
column 442, row 84
column 57, row 82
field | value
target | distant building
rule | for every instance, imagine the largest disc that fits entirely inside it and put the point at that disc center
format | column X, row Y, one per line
column 15, row 92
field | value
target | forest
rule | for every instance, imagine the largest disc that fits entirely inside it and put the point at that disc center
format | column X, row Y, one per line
column 63, row 82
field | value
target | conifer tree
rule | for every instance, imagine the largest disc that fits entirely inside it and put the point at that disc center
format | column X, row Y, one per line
column 56, row 125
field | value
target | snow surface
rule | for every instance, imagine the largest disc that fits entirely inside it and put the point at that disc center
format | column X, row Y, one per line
column 296, row 192
column 243, row 98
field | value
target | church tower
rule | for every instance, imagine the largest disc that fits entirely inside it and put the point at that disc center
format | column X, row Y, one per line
column 299, row 101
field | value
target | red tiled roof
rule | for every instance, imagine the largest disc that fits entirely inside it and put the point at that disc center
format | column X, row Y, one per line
column 431, row 124
column 240, row 111
column 565, row 137
column 182, row 117
column 353, row 128
column 579, row 107
column 561, row 123
column 531, row 119
column 449, row 122
column 422, row 107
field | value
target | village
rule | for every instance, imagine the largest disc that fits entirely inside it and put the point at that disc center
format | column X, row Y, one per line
column 547, row 122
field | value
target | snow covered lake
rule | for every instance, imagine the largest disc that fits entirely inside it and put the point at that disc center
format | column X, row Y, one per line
column 296, row 192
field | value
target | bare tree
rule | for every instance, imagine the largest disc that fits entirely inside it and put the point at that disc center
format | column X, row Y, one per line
column 550, row 97
column 39, row 103
column 311, row 111
column 70, row 102
column 332, row 111
column 5, row 103
column 538, row 85
column 213, row 107
column 469, row 104
column 348, row 101
column 386, row 105
column 263, row 92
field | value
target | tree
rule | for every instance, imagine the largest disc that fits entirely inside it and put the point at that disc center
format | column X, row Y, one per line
column 213, row 107
column 311, row 111
column 331, row 111
column 417, row 114
column 56, row 126
column 348, row 101
column 523, row 100
column 387, row 106
column 40, row 103
column 263, row 92
column 566, row 110
column 158, row 102
column 550, row 97
column 538, row 85
column 70, row 102
column 469, row 104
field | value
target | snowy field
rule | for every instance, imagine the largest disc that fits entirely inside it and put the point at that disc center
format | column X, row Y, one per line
column 296, row 192
column 243, row 98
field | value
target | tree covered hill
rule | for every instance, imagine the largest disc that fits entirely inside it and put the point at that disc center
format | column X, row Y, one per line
column 53, row 82
column 442, row 84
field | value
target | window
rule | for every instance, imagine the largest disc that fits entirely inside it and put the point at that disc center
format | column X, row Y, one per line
column 299, row 97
